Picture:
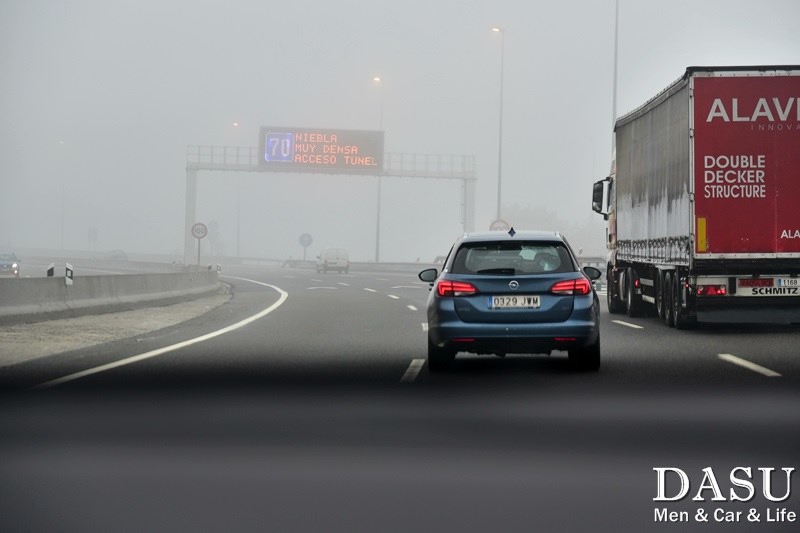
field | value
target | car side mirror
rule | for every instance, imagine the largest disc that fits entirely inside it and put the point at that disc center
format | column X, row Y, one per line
column 429, row 275
column 593, row 273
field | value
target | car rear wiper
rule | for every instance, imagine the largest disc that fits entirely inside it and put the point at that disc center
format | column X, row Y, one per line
column 499, row 271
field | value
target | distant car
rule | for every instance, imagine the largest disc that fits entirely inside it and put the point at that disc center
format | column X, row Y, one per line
column 9, row 264
column 516, row 292
column 117, row 255
column 333, row 259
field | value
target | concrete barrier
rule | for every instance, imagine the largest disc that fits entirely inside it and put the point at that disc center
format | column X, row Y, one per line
column 37, row 299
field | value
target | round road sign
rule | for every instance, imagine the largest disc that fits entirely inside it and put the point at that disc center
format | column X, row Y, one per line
column 305, row 240
column 499, row 225
column 199, row 230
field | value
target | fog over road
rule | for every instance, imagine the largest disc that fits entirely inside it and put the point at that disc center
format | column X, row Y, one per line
column 318, row 415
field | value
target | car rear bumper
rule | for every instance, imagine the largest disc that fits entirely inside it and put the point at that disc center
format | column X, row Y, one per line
column 514, row 338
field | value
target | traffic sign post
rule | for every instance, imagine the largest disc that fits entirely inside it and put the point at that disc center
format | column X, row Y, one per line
column 199, row 231
column 305, row 241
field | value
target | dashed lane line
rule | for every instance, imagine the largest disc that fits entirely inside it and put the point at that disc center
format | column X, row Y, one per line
column 744, row 363
column 155, row 353
column 393, row 297
column 628, row 324
column 412, row 371
column 412, row 308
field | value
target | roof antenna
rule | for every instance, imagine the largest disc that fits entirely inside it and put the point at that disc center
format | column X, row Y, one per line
column 512, row 232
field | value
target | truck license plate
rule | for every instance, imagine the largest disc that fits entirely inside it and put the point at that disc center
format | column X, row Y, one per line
column 768, row 287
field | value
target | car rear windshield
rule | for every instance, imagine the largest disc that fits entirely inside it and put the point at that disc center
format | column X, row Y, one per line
column 512, row 258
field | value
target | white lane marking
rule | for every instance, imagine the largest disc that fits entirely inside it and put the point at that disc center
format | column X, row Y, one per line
column 343, row 284
column 405, row 287
column 412, row 371
column 425, row 326
column 748, row 365
column 628, row 324
column 160, row 351
column 370, row 290
column 393, row 297
column 412, row 308
column 381, row 279
column 326, row 288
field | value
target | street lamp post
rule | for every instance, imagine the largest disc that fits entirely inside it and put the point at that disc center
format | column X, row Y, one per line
column 500, row 142
column 614, row 94
column 235, row 124
column 379, row 82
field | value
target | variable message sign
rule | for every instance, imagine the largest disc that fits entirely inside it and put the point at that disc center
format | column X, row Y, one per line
column 321, row 150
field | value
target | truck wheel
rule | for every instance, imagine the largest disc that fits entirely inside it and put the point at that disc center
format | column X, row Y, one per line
column 614, row 304
column 680, row 320
column 632, row 300
column 666, row 290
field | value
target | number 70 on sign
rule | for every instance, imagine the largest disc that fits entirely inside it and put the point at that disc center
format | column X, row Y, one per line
column 279, row 147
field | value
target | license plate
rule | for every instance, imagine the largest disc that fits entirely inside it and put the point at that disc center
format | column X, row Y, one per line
column 514, row 302
column 768, row 287
column 756, row 282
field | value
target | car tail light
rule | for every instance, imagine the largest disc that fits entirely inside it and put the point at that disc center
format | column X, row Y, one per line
column 712, row 290
column 447, row 287
column 572, row 286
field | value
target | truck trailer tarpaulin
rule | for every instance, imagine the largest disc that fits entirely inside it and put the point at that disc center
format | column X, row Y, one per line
column 703, row 207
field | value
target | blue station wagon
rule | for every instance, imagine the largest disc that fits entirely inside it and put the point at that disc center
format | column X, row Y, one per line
column 515, row 292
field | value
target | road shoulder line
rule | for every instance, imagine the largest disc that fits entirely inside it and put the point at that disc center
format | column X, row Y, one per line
column 160, row 351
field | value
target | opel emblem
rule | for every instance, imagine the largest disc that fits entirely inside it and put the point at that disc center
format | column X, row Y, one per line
column 513, row 285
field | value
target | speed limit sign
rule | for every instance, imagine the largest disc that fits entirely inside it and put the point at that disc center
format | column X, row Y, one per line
column 199, row 230
column 499, row 225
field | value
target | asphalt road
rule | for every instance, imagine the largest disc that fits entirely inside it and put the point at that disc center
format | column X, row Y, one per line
column 303, row 404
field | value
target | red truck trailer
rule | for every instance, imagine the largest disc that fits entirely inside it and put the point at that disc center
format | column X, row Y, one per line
column 703, row 205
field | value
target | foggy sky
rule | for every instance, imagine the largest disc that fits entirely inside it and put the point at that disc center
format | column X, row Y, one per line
column 99, row 100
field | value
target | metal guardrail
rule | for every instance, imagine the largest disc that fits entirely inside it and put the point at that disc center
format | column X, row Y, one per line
column 38, row 299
